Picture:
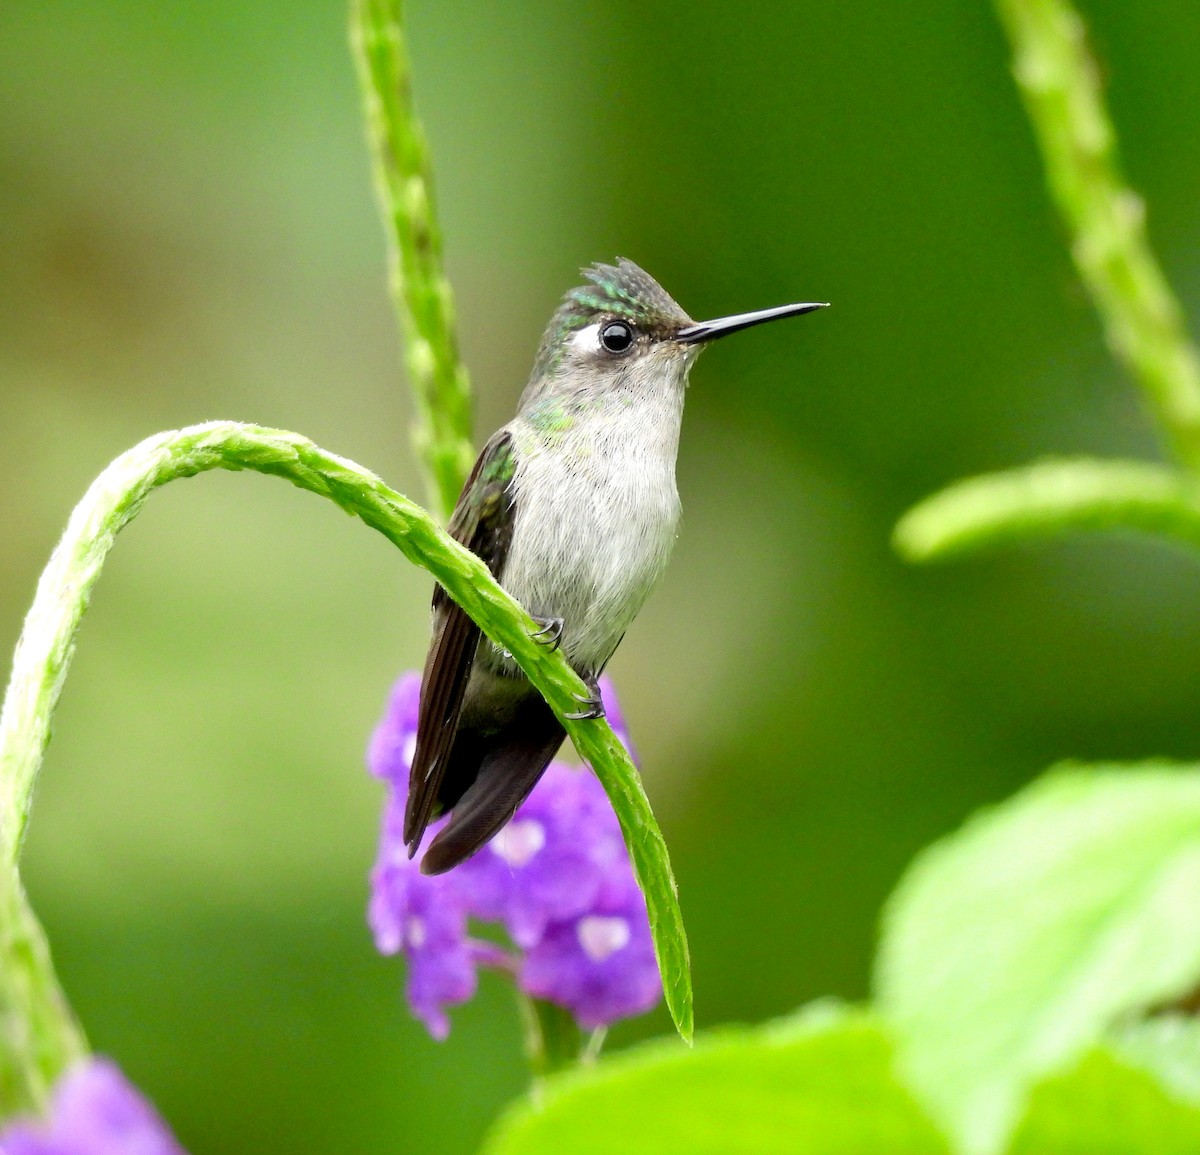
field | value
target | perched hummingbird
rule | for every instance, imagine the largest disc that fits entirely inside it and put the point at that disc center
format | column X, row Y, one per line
column 573, row 506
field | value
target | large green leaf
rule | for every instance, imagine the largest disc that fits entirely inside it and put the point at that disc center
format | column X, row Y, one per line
column 1105, row 1107
column 1015, row 943
column 820, row 1084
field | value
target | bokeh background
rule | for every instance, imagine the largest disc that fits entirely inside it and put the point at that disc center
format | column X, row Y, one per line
column 187, row 232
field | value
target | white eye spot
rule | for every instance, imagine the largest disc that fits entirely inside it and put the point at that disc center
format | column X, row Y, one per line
column 587, row 340
column 519, row 841
column 601, row 937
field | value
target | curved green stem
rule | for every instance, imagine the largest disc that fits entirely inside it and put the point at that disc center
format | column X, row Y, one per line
column 1048, row 498
column 1106, row 219
column 421, row 294
column 47, row 643
column 39, row 1036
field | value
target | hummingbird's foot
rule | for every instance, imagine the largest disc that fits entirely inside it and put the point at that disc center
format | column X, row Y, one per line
column 551, row 632
column 592, row 703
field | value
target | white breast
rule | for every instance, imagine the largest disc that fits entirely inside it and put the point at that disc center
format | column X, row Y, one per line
column 596, row 516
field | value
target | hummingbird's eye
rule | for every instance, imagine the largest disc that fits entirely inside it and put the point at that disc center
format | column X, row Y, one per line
column 616, row 336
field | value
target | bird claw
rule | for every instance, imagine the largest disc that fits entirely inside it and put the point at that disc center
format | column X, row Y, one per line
column 551, row 632
column 594, row 709
column 592, row 703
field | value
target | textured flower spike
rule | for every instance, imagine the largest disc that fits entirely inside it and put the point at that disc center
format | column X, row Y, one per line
column 557, row 877
column 616, row 716
column 95, row 1111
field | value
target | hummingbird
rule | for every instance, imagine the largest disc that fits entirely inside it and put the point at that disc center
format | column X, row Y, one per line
column 573, row 507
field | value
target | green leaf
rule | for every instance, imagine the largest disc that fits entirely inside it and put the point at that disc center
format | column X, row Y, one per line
column 1013, row 944
column 1105, row 1107
column 1167, row 1047
column 820, row 1084
column 1048, row 498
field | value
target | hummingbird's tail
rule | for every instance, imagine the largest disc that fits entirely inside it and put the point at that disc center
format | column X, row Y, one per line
column 500, row 769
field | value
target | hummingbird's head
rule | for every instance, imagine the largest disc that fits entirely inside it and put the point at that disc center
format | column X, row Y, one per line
column 624, row 326
column 620, row 319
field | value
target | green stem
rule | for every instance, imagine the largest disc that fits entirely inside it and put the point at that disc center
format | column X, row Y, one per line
column 553, row 1040
column 39, row 1037
column 421, row 294
column 1106, row 220
column 47, row 644
column 1049, row 498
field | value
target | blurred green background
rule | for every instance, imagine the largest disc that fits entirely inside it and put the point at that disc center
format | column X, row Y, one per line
column 187, row 232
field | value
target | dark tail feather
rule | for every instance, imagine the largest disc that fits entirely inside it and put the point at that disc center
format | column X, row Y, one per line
column 512, row 762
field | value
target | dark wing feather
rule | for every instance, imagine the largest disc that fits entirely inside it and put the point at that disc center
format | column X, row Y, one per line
column 507, row 771
column 482, row 521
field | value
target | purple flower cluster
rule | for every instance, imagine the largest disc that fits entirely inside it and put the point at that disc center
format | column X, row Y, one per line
column 95, row 1112
column 557, row 878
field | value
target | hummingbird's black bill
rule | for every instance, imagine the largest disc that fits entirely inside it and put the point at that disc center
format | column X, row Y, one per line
column 723, row 326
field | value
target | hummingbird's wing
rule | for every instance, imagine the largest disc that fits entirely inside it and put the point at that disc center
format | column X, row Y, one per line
column 505, row 767
column 482, row 521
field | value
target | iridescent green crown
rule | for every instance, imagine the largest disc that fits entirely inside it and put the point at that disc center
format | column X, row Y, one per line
column 624, row 290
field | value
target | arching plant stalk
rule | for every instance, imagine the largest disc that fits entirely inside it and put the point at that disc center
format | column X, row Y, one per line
column 36, row 1025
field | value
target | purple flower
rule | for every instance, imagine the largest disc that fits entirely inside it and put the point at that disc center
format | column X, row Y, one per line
column 424, row 918
column 557, row 877
column 599, row 965
column 95, row 1111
